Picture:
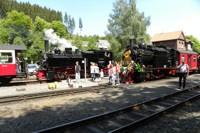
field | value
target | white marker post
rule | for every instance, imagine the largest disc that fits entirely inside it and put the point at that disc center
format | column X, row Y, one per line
column 84, row 61
column 85, row 67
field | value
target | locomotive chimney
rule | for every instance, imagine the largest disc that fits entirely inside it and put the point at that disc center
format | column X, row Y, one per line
column 46, row 45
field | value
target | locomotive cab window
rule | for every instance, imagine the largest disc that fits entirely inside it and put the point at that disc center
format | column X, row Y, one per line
column 6, row 57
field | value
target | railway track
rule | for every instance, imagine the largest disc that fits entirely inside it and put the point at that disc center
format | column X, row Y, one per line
column 22, row 82
column 127, row 118
column 12, row 99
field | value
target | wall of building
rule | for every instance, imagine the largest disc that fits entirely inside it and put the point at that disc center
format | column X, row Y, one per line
column 170, row 43
column 181, row 45
column 175, row 44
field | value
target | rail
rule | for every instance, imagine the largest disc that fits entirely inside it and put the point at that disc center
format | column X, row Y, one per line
column 126, row 118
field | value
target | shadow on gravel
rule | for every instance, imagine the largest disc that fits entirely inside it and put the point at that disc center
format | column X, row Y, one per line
column 110, row 99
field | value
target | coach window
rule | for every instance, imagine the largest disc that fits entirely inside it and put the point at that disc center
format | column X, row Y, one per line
column 6, row 57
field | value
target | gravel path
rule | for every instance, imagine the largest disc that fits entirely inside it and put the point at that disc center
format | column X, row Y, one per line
column 38, row 114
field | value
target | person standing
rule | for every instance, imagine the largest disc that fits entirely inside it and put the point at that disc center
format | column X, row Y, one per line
column 110, row 65
column 101, row 74
column 183, row 72
column 118, row 69
column 77, row 72
column 92, row 71
column 114, row 72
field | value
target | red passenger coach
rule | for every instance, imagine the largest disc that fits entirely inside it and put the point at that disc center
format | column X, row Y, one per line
column 8, row 63
column 190, row 58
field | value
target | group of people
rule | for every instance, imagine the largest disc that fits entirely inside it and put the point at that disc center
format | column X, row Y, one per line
column 114, row 69
column 94, row 71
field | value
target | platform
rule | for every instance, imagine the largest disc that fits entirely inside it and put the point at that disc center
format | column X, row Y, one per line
column 46, row 87
column 172, row 83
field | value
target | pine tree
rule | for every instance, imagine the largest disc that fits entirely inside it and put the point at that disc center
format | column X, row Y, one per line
column 80, row 24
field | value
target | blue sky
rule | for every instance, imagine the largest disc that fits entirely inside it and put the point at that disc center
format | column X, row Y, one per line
column 166, row 15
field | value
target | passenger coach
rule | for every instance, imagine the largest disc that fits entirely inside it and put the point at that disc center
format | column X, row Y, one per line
column 10, row 65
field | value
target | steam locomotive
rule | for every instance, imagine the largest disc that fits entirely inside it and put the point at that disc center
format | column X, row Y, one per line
column 56, row 64
column 160, row 61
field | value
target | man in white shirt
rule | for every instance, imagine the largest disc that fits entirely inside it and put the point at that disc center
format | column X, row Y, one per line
column 77, row 72
column 183, row 72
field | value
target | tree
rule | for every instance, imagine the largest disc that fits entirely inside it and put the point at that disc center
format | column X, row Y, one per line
column 18, row 41
column 195, row 43
column 4, row 33
column 115, row 48
column 69, row 23
column 66, row 19
column 127, row 23
column 17, row 24
column 73, row 25
column 80, row 24
column 33, row 52
column 40, row 24
column 59, row 28
column 77, row 41
column 30, row 10
column 92, row 42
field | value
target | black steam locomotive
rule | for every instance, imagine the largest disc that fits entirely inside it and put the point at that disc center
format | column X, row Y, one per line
column 160, row 61
column 56, row 64
column 154, row 57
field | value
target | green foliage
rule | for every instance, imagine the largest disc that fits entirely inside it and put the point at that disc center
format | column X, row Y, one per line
column 78, row 42
column 40, row 24
column 195, row 43
column 127, row 23
column 18, row 41
column 89, row 41
column 3, row 33
column 30, row 10
column 92, row 43
column 115, row 47
column 17, row 24
column 59, row 28
column 17, row 28
column 34, row 52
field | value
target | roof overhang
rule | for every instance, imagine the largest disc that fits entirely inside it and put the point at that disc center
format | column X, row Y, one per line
column 12, row 47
